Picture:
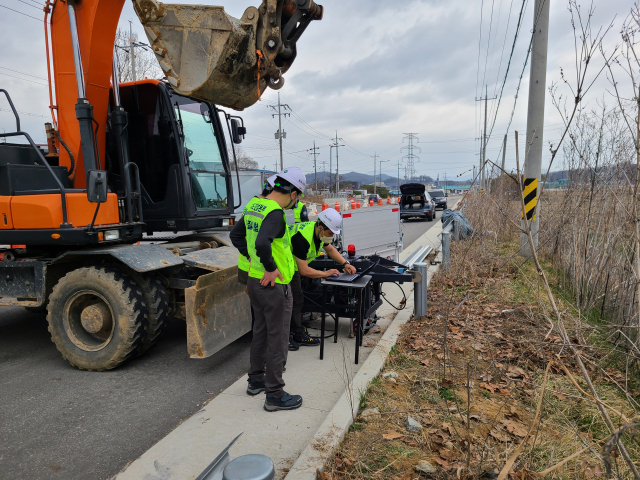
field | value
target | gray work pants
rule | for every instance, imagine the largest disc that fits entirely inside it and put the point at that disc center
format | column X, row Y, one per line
column 270, row 344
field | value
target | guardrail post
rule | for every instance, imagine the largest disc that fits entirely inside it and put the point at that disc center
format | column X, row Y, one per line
column 456, row 230
column 420, row 290
column 446, row 244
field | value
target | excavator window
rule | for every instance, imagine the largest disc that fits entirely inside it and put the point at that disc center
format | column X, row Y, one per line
column 207, row 170
column 153, row 144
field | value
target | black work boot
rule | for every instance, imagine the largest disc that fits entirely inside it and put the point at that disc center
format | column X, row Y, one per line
column 305, row 340
column 285, row 402
column 254, row 388
column 293, row 345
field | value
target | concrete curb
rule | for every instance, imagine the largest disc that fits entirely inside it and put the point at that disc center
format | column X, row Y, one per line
column 332, row 431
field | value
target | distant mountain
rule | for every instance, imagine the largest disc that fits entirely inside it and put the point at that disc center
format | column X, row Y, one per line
column 361, row 178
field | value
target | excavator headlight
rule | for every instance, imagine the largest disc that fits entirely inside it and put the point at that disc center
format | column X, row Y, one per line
column 111, row 235
column 225, row 222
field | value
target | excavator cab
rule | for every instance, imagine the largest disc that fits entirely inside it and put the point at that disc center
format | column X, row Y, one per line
column 179, row 147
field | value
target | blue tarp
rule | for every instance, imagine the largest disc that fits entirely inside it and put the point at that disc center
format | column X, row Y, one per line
column 464, row 226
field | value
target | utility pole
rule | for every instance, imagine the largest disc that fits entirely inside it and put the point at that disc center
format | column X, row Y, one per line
column 484, row 136
column 398, row 175
column 280, row 134
column 336, row 145
column 132, row 54
column 535, row 122
column 375, row 156
column 412, row 159
column 315, row 164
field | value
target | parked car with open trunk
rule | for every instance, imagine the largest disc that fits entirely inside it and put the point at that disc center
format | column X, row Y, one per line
column 416, row 202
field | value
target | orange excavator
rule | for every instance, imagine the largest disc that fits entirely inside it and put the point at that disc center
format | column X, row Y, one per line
column 125, row 161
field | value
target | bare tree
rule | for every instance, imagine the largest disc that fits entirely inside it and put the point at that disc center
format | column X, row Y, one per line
column 245, row 162
column 145, row 60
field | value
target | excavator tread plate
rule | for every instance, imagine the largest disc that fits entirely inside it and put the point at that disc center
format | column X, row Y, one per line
column 213, row 259
column 141, row 258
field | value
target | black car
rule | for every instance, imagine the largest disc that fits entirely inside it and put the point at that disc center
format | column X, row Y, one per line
column 440, row 198
column 416, row 202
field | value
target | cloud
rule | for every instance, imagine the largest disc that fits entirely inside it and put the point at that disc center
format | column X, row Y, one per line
column 370, row 70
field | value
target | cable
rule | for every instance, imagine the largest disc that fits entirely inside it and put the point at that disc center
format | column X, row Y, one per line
column 382, row 294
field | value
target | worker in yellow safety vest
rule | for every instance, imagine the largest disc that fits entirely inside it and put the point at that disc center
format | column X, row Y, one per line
column 300, row 212
column 263, row 237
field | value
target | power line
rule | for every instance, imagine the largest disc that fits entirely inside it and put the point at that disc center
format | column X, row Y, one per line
column 30, row 5
column 24, row 113
column 25, row 79
column 22, row 73
column 22, row 13
column 524, row 66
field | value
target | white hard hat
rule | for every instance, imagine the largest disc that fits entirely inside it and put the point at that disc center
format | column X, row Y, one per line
column 294, row 176
column 271, row 180
column 331, row 219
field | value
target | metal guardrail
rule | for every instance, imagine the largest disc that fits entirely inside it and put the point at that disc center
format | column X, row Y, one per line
column 417, row 256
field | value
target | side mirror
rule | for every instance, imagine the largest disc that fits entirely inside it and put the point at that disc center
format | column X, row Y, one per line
column 97, row 186
column 237, row 131
column 204, row 111
column 446, row 194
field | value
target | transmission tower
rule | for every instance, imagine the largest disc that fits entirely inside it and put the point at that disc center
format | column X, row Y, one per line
column 411, row 157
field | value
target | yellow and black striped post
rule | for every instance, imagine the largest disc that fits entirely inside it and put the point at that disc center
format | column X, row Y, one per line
column 530, row 194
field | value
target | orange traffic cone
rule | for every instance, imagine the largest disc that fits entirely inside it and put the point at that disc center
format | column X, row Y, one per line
column 358, row 204
column 379, row 201
column 371, row 202
column 324, row 206
column 388, row 200
column 337, row 207
column 353, row 204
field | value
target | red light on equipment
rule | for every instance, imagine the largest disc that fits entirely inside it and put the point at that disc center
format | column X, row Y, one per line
column 351, row 250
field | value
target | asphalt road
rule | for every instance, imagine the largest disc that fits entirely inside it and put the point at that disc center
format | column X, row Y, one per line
column 57, row 422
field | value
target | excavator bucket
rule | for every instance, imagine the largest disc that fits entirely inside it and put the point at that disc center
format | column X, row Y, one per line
column 207, row 54
column 217, row 309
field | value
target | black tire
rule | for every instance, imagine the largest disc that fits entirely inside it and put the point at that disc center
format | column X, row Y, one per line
column 157, row 301
column 96, row 318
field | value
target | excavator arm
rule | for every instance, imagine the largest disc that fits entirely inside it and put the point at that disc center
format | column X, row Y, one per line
column 203, row 52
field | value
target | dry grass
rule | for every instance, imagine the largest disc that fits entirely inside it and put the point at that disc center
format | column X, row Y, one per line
column 487, row 321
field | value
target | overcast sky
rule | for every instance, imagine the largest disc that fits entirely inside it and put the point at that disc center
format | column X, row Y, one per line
column 371, row 70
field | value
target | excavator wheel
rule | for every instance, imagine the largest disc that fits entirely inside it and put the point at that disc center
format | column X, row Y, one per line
column 96, row 317
column 157, row 301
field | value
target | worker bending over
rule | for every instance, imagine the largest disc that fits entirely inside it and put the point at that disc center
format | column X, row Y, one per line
column 263, row 237
column 307, row 240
